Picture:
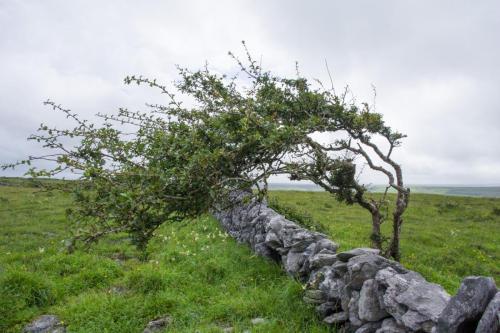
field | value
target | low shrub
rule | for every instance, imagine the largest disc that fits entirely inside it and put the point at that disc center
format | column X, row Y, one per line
column 495, row 211
column 447, row 206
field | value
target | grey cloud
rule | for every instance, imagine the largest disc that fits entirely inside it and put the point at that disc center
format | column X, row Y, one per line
column 435, row 65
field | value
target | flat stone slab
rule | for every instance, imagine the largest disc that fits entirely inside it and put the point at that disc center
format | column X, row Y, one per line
column 158, row 324
column 390, row 325
column 45, row 324
column 345, row 256
column 337, row 318
column 322, row 259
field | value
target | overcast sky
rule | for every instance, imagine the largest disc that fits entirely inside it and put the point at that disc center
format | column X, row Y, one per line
column 435, row 65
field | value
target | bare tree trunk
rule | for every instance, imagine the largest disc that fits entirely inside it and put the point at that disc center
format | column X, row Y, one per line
column 376, row 235
column 394, row 247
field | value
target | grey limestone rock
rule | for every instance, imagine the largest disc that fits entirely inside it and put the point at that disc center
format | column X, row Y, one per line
column 324, row 251
column 317, row 276
column 390, row 325
column 305, row 269
column 276, row 224
column 158, row 324
column 322, row 259
column 346, row 255
column 464, row 310
column 331, row 286
column 326, row 245
column 490, row 321
column 335, row 289
column 371, row 327
column 263, row 250
column 314, row 296
column 327, row 308
column 339, row 268
column 410, row 299
column 345, row 297
column 258, row 321
column 336, row 318
column 369, row 305
column 364, row 267
column 294, row 261
column 312, row 301
column 45, row 324
column 354, row 309
column 297, row 238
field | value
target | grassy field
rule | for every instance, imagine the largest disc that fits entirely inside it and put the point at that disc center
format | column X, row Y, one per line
column 444, row 238
column 196, row 274
column 200, row 276
column 491, row 191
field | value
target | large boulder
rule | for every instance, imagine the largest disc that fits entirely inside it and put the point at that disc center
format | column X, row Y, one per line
column 490, row 321
column 464, row 310
column 410, row 299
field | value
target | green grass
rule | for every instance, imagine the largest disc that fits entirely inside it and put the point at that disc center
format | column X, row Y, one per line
column 196, row 274
column 200, row 276
column 444, row 238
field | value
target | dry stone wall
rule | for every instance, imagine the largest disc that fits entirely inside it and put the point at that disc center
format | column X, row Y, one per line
column 359, row 290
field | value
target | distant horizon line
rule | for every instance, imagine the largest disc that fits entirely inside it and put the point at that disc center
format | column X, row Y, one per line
column 299, row 183
column 384, row 185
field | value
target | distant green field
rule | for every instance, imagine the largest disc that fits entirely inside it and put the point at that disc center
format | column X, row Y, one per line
column 196, row 274
column 468, row 191
column 445, row 238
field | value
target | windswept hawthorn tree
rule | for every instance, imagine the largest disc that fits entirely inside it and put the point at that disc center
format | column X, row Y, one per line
column 180, row 160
